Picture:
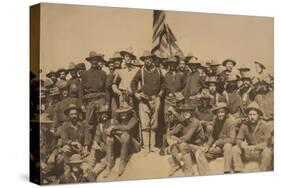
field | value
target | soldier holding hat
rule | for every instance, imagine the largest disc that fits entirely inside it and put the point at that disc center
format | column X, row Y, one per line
column 221, row 140
column 151, row 80
column 253, row 141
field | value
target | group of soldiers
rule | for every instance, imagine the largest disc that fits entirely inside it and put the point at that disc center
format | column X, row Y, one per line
column 189, row 110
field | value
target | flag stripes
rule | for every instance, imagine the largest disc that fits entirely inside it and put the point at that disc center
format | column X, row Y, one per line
column 163, row 39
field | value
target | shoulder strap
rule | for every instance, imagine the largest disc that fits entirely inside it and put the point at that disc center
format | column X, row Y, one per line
column 142, row 76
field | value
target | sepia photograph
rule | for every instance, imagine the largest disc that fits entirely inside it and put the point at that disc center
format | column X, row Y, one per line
column 129, row 94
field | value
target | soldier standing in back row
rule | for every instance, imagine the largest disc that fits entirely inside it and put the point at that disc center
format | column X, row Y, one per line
column 151, row 80
column 194, row 82
column 95, row 93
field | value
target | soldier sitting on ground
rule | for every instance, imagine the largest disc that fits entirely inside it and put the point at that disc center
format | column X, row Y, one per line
column 221, row 141
column 119, row 136
column 183, row 139
column 253, row 141
column 73, row 135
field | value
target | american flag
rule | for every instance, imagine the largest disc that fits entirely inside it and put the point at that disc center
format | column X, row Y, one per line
column 163, row 39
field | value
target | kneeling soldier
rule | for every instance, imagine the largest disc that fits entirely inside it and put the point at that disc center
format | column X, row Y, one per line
column 183, row 138
column 253, row 141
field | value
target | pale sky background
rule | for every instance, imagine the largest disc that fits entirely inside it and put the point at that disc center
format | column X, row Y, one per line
column 69, row 32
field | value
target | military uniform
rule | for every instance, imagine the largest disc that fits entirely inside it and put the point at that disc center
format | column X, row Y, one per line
column 189, row 136
column 149, row 105
column 221, row 141
column 95, row 93
column 253, row 143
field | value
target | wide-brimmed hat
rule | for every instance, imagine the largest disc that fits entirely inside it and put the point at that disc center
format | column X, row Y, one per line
column 116, row 56
column 61, row 70
column 211, row 79
column 61, row 84
column 128, row 51
column 172, row 61
column 109, row 62
column 195, row 63
column 137, row 63
column 80, row 66
column 254, row 106
column 179, row 56
column 71, row 66
column 75, row 159
column 245, row 74
column 161, row 59
column 147, row 54
column 260, row 64
column 185, row 107
column 189, row 56
column 72, row 107
column 94, row 57
column 213, row 63
column 229, row 60
column 220, row 105
column 54, row 91
column 50, row 73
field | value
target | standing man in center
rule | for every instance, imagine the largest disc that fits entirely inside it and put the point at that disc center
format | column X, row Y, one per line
column 151, row 80
column 123, row 77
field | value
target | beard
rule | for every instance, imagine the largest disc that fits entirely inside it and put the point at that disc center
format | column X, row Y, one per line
column 74, row 120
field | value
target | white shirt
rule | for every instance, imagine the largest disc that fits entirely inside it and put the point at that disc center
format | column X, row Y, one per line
column 126, row 76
